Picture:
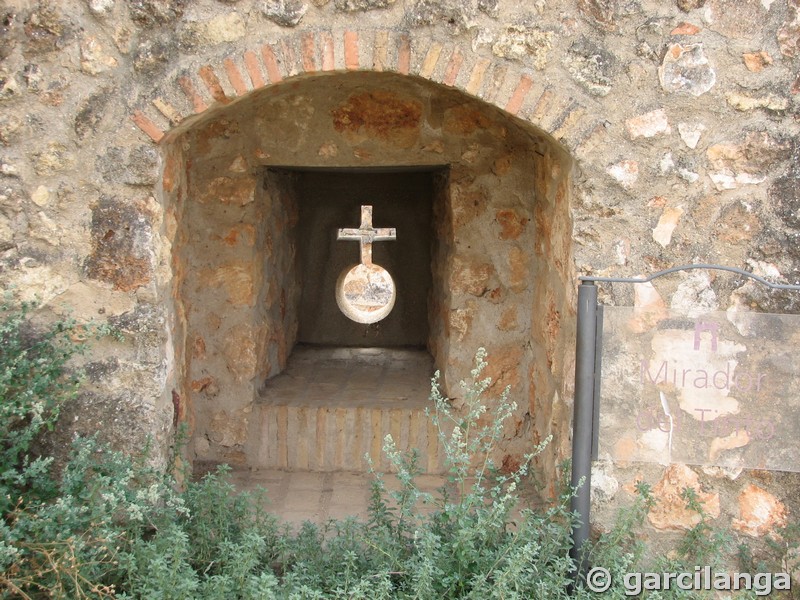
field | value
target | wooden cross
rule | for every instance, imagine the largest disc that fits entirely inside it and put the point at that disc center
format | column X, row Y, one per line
column 366, row 234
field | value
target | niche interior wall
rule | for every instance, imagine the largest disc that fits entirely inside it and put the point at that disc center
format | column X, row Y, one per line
column 482, row 199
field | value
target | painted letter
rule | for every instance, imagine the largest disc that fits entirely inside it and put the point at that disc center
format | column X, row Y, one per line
column 702, row 412
column 701, row 381
column 727, row 381
column 659, row 374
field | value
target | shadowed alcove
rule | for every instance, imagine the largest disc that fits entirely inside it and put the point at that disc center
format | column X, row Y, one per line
column 329, row 200
column 276, row 376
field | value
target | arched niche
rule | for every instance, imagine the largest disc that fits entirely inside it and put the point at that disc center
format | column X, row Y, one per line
column 253, row 189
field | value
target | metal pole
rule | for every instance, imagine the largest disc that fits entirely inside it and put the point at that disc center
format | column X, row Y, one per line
column 582, row 421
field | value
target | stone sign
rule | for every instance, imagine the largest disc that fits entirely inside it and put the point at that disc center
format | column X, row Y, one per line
column 710, row 388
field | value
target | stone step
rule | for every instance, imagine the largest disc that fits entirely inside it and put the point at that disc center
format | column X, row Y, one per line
column 332, row 406
column 309, row 437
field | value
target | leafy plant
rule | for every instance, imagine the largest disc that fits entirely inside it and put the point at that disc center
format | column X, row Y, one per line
column 473, row 544
column 34, row 384
column 110, row 526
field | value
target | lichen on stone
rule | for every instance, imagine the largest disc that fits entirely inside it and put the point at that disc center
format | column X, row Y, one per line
column 361, row 5
column 521, row 41
column 286, row 13
column 592, row 66
column 458, row 15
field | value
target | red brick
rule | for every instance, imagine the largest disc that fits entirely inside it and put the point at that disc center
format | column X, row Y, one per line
column 188, row 88
column 451, row 72
column 147, row 126
column 212, row 83
column 235, row 77
column 351, row 50
column 273, row 71
column 289, row 57
column 518, row 97
column 404, row 55
column 328, row 59
column 309, row 50
column 253, row 69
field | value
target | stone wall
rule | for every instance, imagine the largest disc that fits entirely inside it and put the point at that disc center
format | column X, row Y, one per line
column 666, row 134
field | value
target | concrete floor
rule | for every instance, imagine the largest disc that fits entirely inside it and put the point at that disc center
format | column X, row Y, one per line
column 352, row 377
column 297, row 496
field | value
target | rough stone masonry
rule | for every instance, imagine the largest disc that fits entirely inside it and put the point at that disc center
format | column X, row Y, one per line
column 612, row 137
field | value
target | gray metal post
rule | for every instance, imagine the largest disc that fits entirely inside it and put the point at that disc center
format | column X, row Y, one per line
column 582, row 422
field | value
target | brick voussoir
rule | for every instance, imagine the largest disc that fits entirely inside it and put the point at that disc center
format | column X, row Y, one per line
column 519, row 94
column 380, row 54
column 253, row 67
column 274, row 74
column 147, row 126
column 569, row 120
column 235, row 77
column 453, row 67
column 328, row 51
column 498, row 83
column 351, row 57
column 170, row 112
column 428, row 65
column 308, row 52
column 477, row 76
column 186, row 84
column 213, row 84
column 403, row 53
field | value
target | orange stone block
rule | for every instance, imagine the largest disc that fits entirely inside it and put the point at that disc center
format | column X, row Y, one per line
column 199, row 348
column 204, row 384
column 512, row 223
column 227, row 190
column 235, row 279
column 381, row 115
column 519, row 269
column 470, row 276
column 240, row 351
column 756, row 61
column 504, row 366
column 761, row 512
column 508, row 320
column 685, row 28
column 670, row 511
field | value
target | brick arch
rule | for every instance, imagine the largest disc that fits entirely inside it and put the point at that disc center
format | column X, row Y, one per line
column 507, row 86
column 529, row 358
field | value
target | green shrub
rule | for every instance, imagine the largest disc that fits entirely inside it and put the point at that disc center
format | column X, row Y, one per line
column 34, row 384
column 110, row 526
column 473, row 545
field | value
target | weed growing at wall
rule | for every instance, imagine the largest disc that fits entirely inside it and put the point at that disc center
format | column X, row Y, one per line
column 34, row 384
column 110, row 526
column 473, row 544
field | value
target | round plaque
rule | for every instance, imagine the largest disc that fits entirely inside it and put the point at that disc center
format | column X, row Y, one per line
column 365, row 293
